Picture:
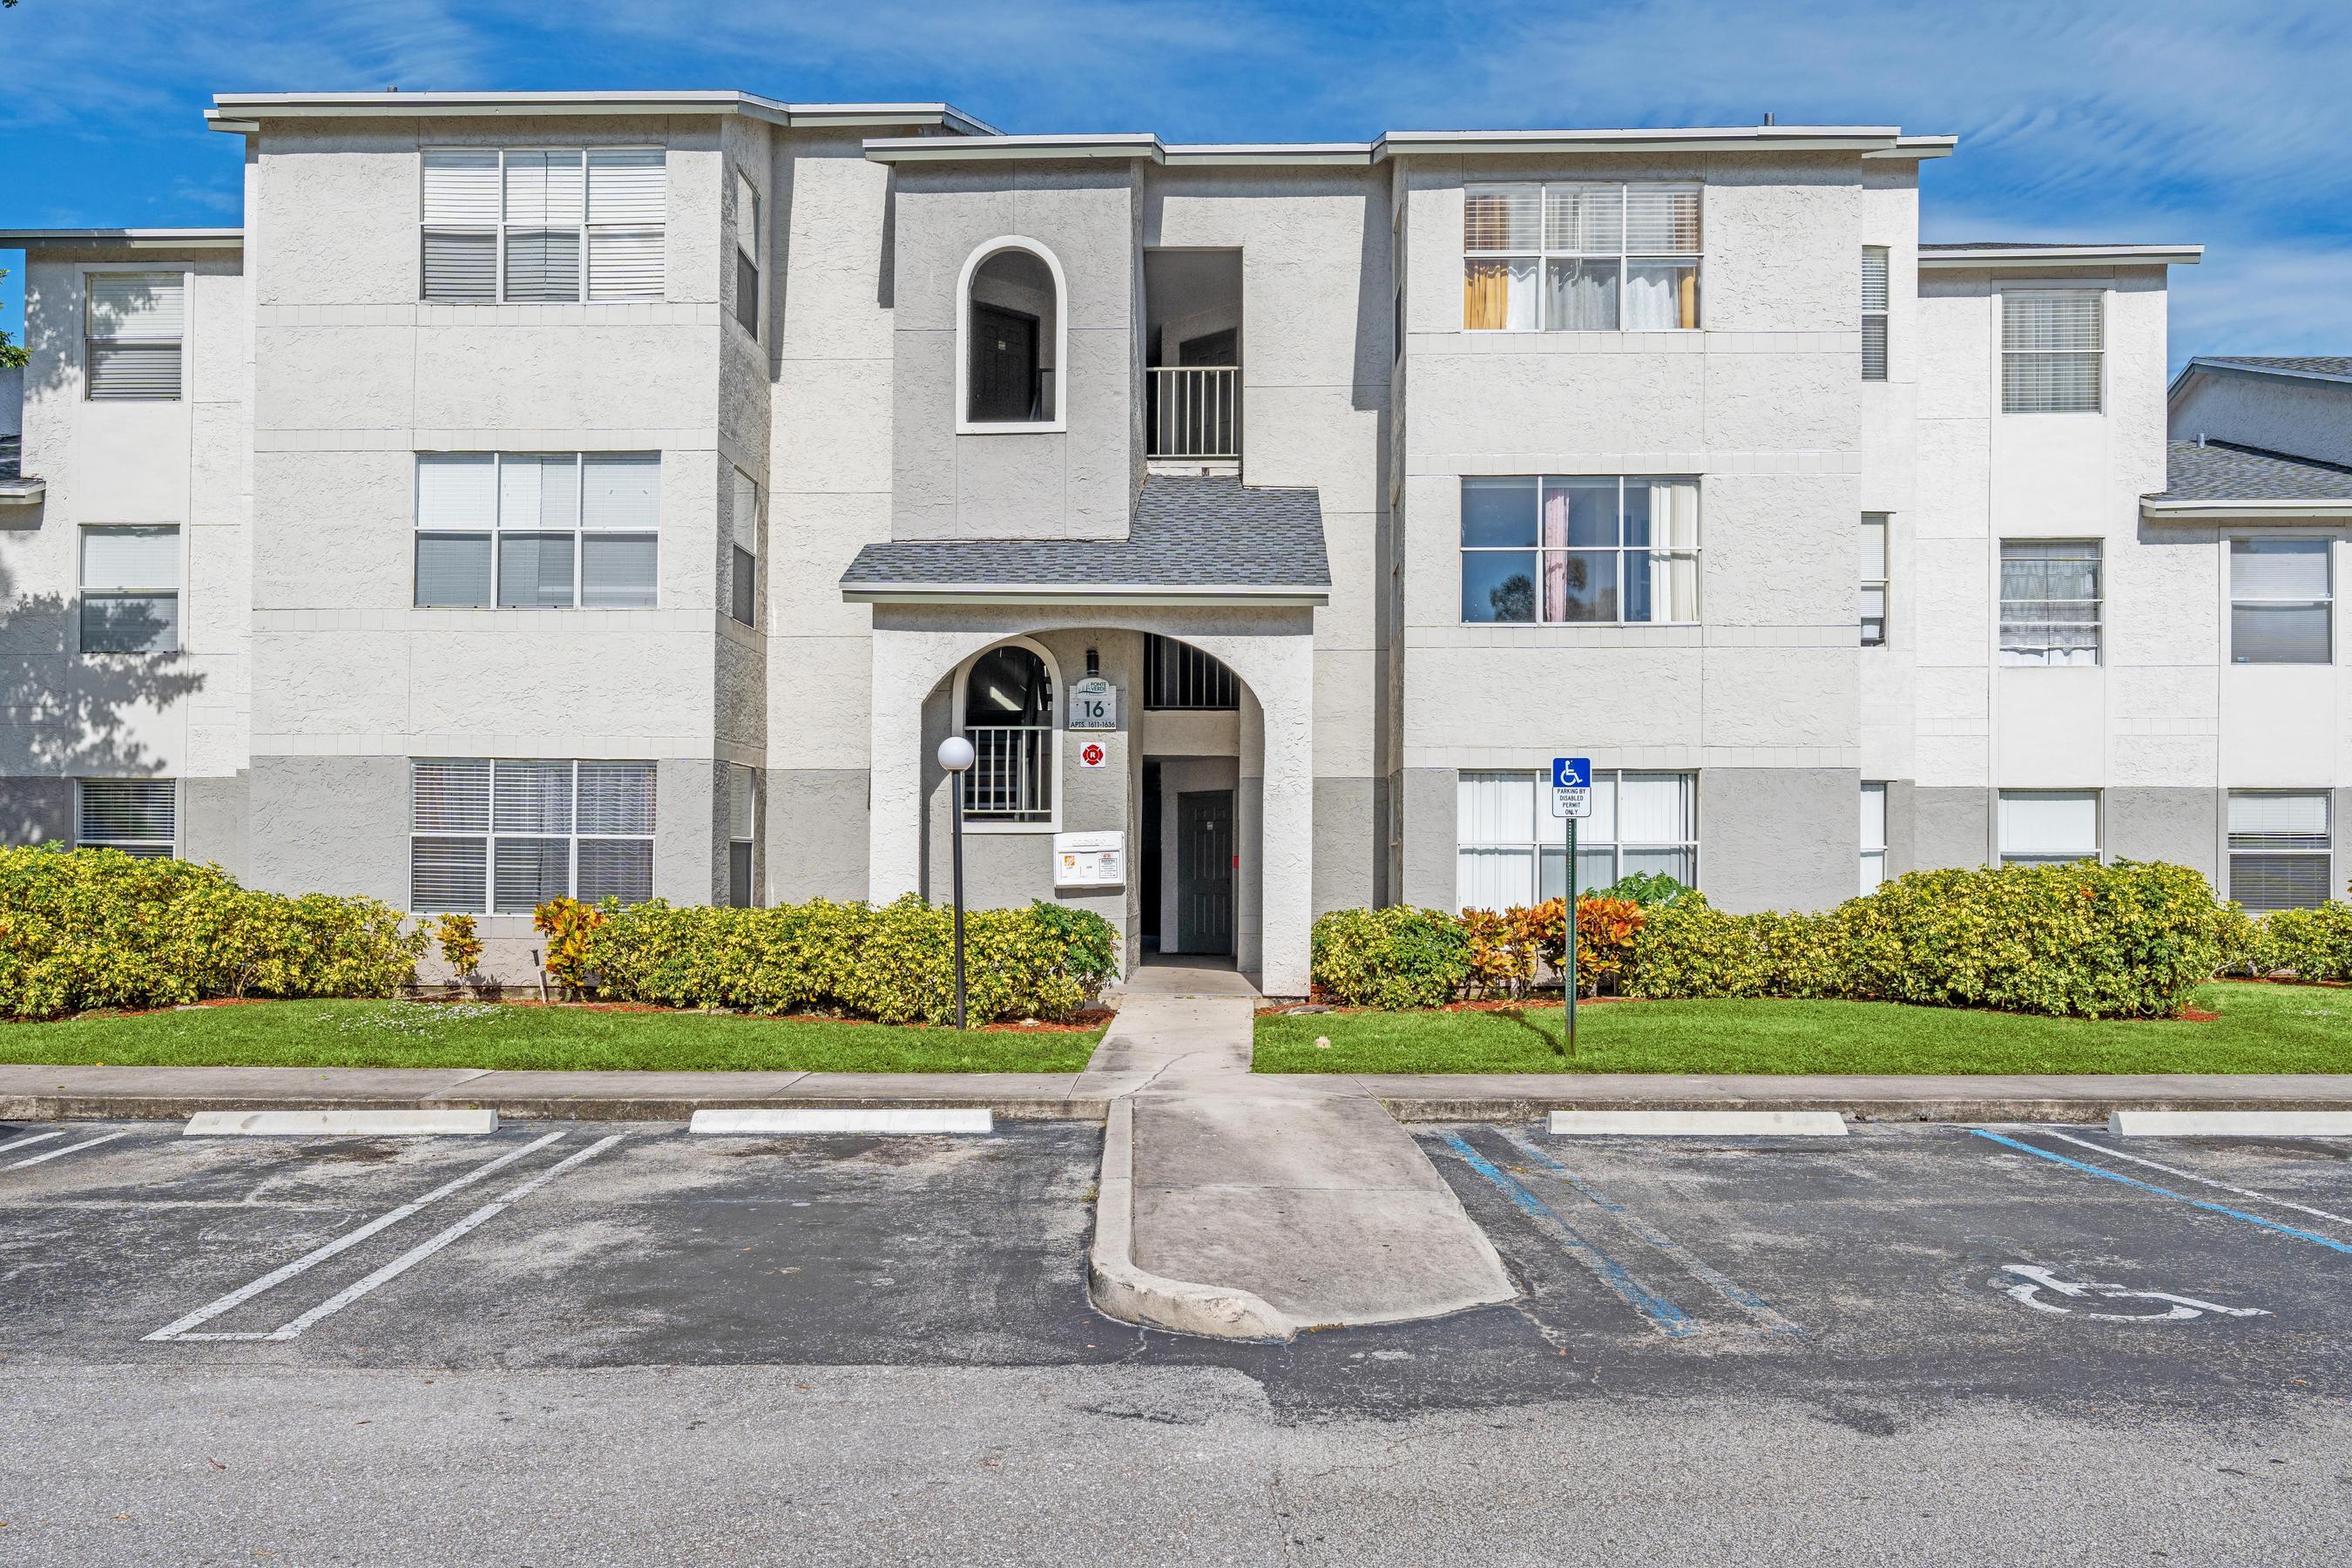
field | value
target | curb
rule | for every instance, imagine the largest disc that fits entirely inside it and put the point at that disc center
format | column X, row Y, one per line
column 102, row 1106
column 2088, row 1110
column 1133, row 1294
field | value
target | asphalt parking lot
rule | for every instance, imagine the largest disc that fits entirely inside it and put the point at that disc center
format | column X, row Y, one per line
column 2055, row 1265
column 2019, row 1339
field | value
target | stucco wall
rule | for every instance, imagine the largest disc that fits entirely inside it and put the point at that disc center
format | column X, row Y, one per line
column 2310, row 419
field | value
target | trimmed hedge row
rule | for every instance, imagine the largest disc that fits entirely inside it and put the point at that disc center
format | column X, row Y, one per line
column 2129, row 939
column 892, row 962
column 97, row 928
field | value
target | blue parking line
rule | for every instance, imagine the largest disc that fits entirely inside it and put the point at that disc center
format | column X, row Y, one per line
column 1662, row 1314
column 2327, row 1242
column 1698, row 1267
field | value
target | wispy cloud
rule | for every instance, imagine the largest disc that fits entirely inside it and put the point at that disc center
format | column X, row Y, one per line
column 2192, row 120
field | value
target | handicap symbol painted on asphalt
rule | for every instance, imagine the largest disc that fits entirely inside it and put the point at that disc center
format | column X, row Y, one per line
column 2032, row 1280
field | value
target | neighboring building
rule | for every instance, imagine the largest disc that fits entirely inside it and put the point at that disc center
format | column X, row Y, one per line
column 626, row 493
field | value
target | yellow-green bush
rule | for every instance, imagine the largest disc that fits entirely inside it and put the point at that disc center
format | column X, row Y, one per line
column 2311, row 944
column 2128, row 940
column 894, row 963
column 1394, row 957
column 96, row 928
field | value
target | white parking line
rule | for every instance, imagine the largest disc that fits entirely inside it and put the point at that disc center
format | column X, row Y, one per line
column 68, row 1148
column 28, row 1142
column 342, row 1243
column 425, row 1249
column 2193, row 1177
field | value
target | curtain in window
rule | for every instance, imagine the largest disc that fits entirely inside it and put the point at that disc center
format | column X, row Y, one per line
column 1499, row 294
column 1662, row 583
column 2049, row 602
column 1583, row 295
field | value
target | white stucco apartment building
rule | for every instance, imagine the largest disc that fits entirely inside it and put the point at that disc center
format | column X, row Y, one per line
column 624, row 493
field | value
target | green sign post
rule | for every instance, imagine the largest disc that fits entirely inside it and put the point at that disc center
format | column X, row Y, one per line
column 1571, row 799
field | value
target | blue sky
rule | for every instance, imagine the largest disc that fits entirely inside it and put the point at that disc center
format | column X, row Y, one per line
column 2211, row 120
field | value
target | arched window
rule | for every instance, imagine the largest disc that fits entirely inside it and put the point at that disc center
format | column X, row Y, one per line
column 1013, row 338
column 1008, row 717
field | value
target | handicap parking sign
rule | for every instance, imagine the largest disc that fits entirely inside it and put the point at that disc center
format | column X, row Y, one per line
column 1571, row 787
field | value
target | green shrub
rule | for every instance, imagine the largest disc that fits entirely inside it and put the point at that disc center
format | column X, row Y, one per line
column 893, row 964
column 96, row 928
column 2129, row 939
column 1645, row 887
column 1394, row 957
column 2311, row 944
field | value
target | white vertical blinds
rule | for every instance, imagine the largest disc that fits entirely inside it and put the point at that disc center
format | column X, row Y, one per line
column 132, row 324
column 543, row 225
column 137, row 816
column 2052, row 344
column 1510, row 849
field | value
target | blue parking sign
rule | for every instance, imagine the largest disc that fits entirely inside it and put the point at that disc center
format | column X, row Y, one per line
column 1571, row 772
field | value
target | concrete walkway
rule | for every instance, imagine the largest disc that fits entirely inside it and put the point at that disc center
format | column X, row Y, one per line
column 1254, row 1206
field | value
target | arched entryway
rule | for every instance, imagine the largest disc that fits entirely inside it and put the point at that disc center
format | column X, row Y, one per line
column 1207, row 777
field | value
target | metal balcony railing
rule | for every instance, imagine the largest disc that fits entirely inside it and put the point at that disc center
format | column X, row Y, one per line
column 1195, row 411
column 1011, row 777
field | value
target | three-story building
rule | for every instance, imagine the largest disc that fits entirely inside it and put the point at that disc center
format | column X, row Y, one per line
column 623, row 494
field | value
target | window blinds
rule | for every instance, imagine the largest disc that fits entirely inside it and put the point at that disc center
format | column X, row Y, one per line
column 2049, row 826
column 504, row 837
column 2051, row 344
column 2280, row 601
column 133, row 326
column 2280, row 850
column 1873, row 312
column 543, row 225
column 138, row 816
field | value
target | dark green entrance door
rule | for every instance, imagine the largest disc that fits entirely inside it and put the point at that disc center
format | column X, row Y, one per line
column 1204, row 871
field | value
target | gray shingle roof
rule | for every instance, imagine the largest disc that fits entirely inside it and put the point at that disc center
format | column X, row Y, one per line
column 2218, row 471
column 2283, row 364
column 1188, row 533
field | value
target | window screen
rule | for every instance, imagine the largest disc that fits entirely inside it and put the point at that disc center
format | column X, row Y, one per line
column 2280, row 601
column 539, row 225
column 2048, row 827
column 131, row 589
column 537, row 529
column 1873, row 312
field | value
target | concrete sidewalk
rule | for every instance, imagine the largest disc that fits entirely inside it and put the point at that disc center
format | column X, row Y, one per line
column 34, row 1093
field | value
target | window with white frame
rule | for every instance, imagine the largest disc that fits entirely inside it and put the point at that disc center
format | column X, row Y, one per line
column 2048, row 826
column 544, row 225
column 1014, row 330
column 2050, row 600
column 1579, row 549
column 2281, row 849
column 2051, row 346
column 742, row 829
column 504, row 835
column 1008, row 717
column 538, row 530
column 1873, row 312
column 747, row 254
column 1874, row 579
column 131, row 588
column 132, row 328
column 1580, row 257
column 1874, row 835
column 743, row 549
column 138, row 816
column 1510, row 849
column 2282, row 602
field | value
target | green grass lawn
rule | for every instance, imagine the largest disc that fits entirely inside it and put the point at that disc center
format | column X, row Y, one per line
column 506, row 1037
column 2262, row 1028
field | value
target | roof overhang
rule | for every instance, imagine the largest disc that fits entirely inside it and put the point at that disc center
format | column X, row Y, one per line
column 1137, row 594
column 1867, row 141
column 244, row 112
column 124, row 239
column 2153, row 509
column 2203, row 366
column 2041, row 257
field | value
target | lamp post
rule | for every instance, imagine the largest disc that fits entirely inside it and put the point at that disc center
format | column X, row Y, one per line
column 955, row 759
